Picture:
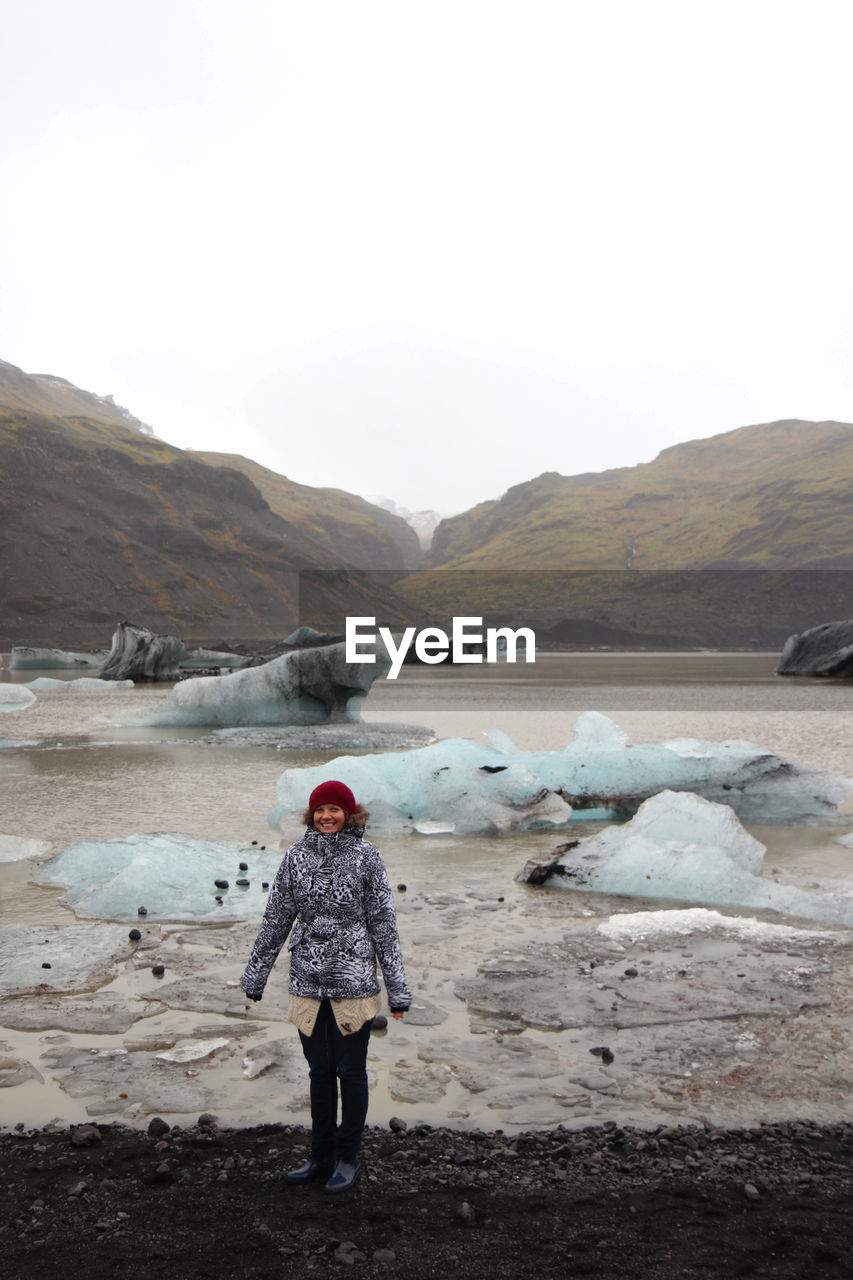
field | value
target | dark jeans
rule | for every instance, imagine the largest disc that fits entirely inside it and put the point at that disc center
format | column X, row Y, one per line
column 332, row 1056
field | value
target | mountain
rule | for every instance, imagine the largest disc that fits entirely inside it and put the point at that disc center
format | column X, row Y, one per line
column 368, row 536
column 646, row 554
column 774, row 496
column 101, row 521
column 46, row 394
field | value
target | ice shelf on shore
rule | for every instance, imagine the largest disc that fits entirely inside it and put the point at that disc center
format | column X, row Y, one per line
column 681, row 847
column 491, row 788
column 173, row 876
column 307, row 686
column 15, row 697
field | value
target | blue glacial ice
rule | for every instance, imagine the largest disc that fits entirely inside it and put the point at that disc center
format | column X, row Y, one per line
column 307, row 686
column 451, row 786
column 681, row 847
column 492, row 788
column 172, row 876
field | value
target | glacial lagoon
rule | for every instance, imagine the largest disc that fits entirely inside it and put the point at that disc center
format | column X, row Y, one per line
column 532, row 1006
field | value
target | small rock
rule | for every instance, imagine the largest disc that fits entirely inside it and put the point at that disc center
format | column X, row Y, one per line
column 77, row 1190
column 244, row 866
column 46, row 964
column 396, row 1125
column 142, row 911
column 631, row 973
column 86, row 1135
column 134, row 935
column 157, row 1127
column 385, row 1257
column 265, row 884
column 751, row 1192
column 243, row 883
column 206, row 1120
column 349, row 1253
column 401, row 888
column 379, row 1023
column 221, row 884
column 158, row 970
column 467, row 1213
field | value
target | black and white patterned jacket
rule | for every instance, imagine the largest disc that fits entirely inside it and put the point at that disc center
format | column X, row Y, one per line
column 333, row 891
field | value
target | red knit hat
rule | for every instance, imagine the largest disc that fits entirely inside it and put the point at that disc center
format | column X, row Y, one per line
column 332, row 793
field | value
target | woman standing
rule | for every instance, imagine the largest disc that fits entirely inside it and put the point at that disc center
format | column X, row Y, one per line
column 332, row 891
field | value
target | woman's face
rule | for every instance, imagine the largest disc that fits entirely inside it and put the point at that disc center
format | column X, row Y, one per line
column 329, row 818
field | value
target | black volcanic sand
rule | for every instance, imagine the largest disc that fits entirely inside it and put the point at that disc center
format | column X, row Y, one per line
column 203, row 1202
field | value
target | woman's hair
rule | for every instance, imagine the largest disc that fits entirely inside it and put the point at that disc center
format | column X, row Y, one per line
column 358, row 818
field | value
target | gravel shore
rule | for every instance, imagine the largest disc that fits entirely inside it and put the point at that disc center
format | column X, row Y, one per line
column 774, row 1200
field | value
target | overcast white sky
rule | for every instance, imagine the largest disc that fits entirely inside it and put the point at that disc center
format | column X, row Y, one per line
column 431, row 249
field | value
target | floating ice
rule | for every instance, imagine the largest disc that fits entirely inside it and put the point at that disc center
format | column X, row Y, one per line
column 682, row 847
column 495, row 788
column 193, row 1051
column 77, row 957
column 307, row 686
column 80, row 684
column 16, row 848
column 15, row 697
column 636, row 926
column 172, row 876
column 452, row 786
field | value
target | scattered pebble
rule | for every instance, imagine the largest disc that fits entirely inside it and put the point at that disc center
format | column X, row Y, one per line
column 134, row 935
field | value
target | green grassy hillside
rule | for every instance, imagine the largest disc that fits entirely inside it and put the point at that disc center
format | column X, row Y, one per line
column 774, row 496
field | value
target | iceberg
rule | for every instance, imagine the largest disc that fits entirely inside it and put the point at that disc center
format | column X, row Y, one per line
column 139, row 654
column 684, row 848
column 171, row 876
column 26, row 658
column 494, row 787
column 449, row 787
column 307, row 686
column 15, row 697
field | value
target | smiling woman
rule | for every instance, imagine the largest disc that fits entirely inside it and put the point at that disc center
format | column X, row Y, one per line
column 332, row 886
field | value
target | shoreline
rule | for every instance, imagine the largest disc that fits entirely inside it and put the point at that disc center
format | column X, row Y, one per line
column 677, row 1200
